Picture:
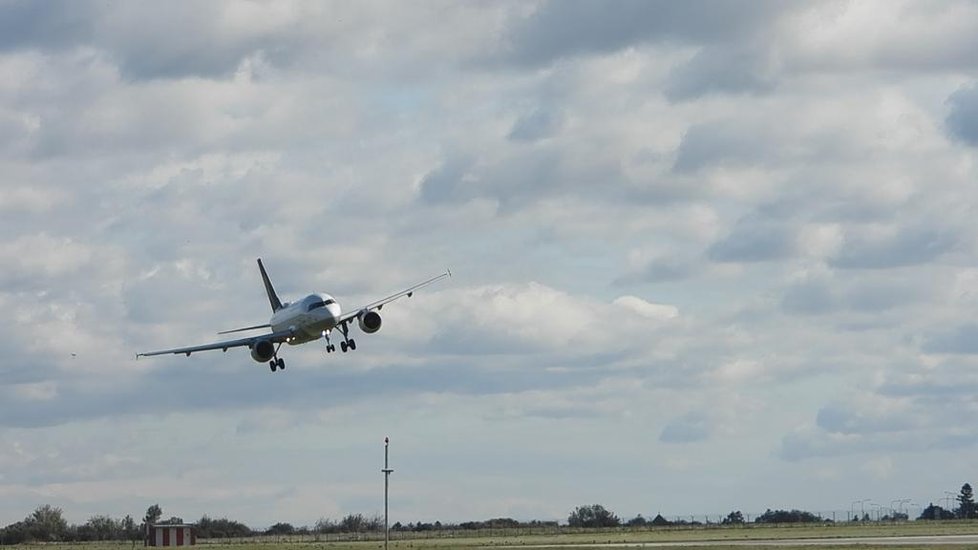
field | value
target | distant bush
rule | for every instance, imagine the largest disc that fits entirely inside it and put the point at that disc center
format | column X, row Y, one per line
column 788, row 516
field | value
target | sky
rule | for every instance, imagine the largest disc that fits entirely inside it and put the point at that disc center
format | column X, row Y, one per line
column 707, row 256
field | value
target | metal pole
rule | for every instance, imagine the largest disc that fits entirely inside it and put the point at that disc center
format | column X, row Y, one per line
column 387, row 476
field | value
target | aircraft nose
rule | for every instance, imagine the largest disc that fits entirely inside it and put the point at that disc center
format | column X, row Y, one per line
column 334, row 311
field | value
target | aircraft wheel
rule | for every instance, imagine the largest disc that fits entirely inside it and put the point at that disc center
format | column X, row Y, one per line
column 343, row 346
column 271, row 365
column 281, row 363
column 353, row 344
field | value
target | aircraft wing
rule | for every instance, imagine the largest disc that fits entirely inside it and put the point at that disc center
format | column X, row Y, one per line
column 352, row 314
column 274, row 337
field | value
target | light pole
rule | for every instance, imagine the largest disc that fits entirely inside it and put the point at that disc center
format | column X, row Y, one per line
column 387, row 476
column 879, row 507
column 947, row 499
column 901, row 502
column 852, row 507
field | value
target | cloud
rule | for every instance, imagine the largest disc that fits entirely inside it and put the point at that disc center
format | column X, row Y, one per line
column 754, row 240
column 960, row 340
column 537, row 125
column 909, row 410
column 962, row 120
column 876, row 247
column 689, row 428
column 557, row 30
column 718, row 69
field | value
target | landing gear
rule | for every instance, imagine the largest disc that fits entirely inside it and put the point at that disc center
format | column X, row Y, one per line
column 277, row 363
column 347, row 343
column 330, row 348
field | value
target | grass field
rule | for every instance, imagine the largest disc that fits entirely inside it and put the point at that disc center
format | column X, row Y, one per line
column 687, row 537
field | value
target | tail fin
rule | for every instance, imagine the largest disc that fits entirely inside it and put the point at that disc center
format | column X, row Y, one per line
column 272, row 297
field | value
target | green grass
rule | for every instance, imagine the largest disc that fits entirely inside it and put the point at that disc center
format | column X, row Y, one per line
column 464, row 540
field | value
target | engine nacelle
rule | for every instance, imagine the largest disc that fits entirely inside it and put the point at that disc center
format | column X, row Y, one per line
column 263, row 351
column 369, row 322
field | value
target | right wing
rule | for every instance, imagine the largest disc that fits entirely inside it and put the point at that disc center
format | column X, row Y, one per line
column 381, row 303
column 274, row 337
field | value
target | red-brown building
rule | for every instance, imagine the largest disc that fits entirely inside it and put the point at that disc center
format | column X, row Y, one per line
column 170, row 534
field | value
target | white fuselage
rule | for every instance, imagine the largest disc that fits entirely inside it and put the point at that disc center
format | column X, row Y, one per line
column 307, row 318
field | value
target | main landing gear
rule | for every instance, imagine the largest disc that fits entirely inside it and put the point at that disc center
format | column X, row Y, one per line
column 277, row 362
column 348, row 344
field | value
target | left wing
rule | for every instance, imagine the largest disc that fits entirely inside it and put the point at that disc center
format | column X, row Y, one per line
column 379, row 304
column 274, row 337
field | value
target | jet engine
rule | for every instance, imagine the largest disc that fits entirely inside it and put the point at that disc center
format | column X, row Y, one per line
column 369, row 322
column 262, row 351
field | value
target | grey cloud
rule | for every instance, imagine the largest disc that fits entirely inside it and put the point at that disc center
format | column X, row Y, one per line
column 660, row 270
column 816, row 444
column 517, row 179
column 960, row 340
column 754, row 240
column 46, row 25
column 717, row 143
column 720, row 69
column 812, row 297
column 843, row 419
column 809, row 298
column 447, row 183
column 127, row 33
column 537, row 125
column 689, row 428
column 578, row 27
column 962, row 120
column 189, row 385
column 909, row 245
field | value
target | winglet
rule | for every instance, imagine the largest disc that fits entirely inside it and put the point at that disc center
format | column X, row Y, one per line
column 272, row 297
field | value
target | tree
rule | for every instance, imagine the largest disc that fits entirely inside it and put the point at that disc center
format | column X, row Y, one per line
column 660, row 521
column 47, row 524
column 637, row 521
column 102, row 528
column 353, row 523
column 280, row 529
column 786, row 516
column 326, row 525
column 733, row 518
column 153, row 514
column 933, row 512
column 129, row 529
column 966, row 503
column 593, row 515
column 223, row 528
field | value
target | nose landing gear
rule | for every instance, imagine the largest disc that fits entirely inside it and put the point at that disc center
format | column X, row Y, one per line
column 330, row 348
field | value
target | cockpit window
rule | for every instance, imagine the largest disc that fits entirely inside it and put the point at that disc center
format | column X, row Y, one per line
column 320, row 303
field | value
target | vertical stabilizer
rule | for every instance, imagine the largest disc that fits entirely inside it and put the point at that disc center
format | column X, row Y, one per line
column 272, row 297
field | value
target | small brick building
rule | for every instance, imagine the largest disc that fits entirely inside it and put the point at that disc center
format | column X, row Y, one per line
column 170, row 534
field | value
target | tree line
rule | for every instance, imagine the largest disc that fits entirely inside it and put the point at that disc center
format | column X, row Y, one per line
column 47, row 523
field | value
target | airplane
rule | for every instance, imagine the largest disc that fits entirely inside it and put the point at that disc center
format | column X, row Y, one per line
column 305, row 320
